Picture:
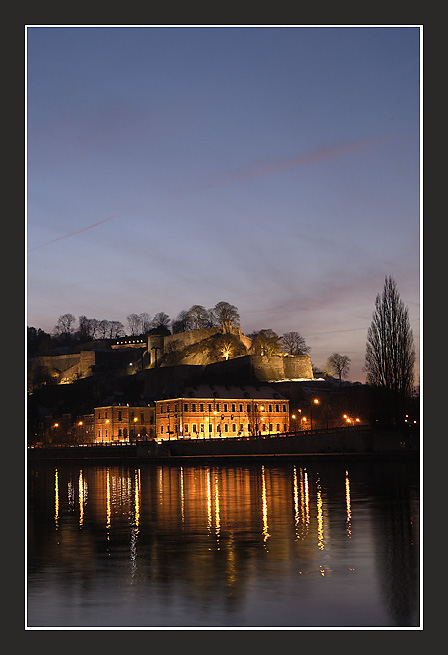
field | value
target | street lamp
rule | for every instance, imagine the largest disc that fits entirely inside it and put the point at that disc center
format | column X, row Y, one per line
column 315, row 402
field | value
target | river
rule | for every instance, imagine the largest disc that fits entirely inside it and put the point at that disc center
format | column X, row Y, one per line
column 265, row 545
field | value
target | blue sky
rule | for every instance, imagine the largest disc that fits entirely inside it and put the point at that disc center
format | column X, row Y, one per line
column 275, row 168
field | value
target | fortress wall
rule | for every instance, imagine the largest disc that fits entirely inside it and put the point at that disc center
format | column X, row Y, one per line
column 297, row 367
column 70, row 366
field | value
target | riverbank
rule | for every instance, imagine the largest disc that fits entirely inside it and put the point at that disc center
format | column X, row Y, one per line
column 348, row 442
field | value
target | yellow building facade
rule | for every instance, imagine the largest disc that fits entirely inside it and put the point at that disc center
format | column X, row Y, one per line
column 222, row 412
column 124, row 423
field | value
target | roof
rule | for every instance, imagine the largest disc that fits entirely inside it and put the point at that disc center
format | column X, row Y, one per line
column 229, row 392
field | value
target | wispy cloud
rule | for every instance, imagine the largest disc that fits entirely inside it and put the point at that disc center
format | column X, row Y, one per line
column 270, row 166
column 83, row 229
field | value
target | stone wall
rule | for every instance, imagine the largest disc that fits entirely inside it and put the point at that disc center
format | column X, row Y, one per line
column 65, row 368
column 182, row 340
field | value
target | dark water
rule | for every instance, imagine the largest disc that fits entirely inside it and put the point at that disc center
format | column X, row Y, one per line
column 296, row 544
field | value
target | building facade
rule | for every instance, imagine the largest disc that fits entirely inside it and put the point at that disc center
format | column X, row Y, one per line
column 124, row 423
column 217, row 412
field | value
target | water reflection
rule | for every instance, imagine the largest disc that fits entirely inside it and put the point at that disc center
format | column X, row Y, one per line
column 224, row 545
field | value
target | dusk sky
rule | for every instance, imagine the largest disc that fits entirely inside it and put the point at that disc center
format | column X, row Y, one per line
column 274, row 168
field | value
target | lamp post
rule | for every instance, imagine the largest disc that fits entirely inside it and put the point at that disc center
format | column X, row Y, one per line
column 315, row 402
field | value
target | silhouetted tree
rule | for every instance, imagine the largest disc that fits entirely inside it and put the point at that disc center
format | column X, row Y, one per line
column 199, row 317
column 135, row 324
column 160, row 320
column 225, row 314
column 294, row 344
column 338, row 364
column 65, row 327
column 390, row 353
column 181, row 323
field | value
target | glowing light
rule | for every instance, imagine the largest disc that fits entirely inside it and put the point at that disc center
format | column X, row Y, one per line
column 56, row 497
column 320, row 520
column 108, row 501
column 81, row 498
column 348, row 504
column 266, row 534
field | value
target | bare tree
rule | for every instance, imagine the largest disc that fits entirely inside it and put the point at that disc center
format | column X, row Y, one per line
column 199, row 317
column 390, row 353
column 160, row 320
column 294, row 344
column 145, row 322
column 339, row 364
column 64, row 325
column 181, row 323
column 135, row 324
column 225, row 314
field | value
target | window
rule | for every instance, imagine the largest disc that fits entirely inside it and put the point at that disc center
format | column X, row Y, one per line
column 161, row 429
column 226, row 407
column 99, row 432
column 161, row 408
column 263, row 427
column 270, row 427
column 210, row 407
column 284, row 427
column 202, row 427
column 241, row 427
column 168, row 408
column 218, row 428
column 120, row 415
column 201, row 407
column 193, row 407
column 210, row 427
column 105, row 413
column 284, row 408
column 226, row 427
column 233, row 407
column 241, row 407
column 233, row 427
column 105, row 433
column 270, row 409
column 195, row 428
column 277, row 408
column 99, row 414
column 217, row 407
column 142, row 417
column 186, row 428
column 277, row 427
column 185, row 407
column 120, row 432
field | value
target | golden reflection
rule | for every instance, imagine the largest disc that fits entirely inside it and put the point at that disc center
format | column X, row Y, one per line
column 296, row 504
column 137, row 499
column 182, row 495
column 320, row 519
column 108, row 503
column 209, row 500
column 81, row 498
column 217, row 515
column 306, row 498
column 56, row 497
column 266, row 534
column 348, row 505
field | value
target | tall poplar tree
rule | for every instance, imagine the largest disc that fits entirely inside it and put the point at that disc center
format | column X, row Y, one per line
column 390, row 352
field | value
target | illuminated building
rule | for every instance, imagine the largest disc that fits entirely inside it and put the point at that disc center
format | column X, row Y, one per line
column 222, row 411
column 116, row 423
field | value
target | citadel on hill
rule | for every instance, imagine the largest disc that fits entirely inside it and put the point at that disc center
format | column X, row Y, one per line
column 204, row 382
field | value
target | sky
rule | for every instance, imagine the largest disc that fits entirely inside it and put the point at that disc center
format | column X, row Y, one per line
column 276, row 168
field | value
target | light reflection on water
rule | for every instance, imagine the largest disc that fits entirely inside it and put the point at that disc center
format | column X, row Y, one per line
column 262, row 545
